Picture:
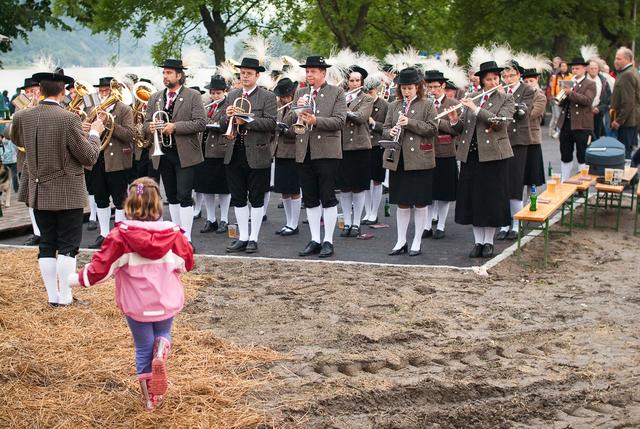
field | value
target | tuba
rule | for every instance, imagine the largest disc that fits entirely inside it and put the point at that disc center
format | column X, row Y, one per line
column 141, row 93
column 82, row 88
column 113, row 98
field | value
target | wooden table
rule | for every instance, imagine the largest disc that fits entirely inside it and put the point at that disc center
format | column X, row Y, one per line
column 611, row 196
column 548, row 204
column 583, row 185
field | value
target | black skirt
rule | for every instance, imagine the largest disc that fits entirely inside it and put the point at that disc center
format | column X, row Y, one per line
column 377, row 170
column 534, row 169
column 355, row 170
column 287, row 179
column 211, row 177
column 410, row 188
column 483, row 197
column 445, row 179
column 516, row 172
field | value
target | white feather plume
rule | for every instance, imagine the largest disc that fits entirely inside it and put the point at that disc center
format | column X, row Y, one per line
column 538, row 62
column 408, row 57
column 502, row 55
column 449, row 57
column 227, row 70
column 589, row 52
column 340, row 62
column 257, row 47
column 265, row 81
column 456, row 74
column 195, row 58
column 292, row 66
column 44, row 63
column 479, row 55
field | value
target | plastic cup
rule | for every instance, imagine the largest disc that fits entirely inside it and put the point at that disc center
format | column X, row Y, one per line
column 340, row 222
column 584, row 172
column 551, row 186
column 232, row 231
column 557, row 177
column 617, row 176
column 608, row 175
column 627, row 166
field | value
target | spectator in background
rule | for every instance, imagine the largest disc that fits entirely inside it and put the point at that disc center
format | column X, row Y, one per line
column 9, row 155
column 5, row 112
column 625, row 101
column 562, row 74
column 602, row 99
column 12, row 108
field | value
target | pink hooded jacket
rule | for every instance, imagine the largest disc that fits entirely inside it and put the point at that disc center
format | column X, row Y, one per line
column 145, row 258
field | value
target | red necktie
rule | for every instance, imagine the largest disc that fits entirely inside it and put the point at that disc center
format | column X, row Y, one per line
column 213, row 109
column 437, row 103
column 246, row 95
column 170, row 98
column 484, row 100
column 510, row 90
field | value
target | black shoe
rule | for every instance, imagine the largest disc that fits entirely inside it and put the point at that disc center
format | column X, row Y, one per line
column 501, row 235
column 346, row 231
column 403, row 249
column 434, row 223
column 289, row 231
column 222, row 227
column 427, row 233
column 34, row 240
column 312, row 248
column 438, row 234
column 327, row 250
column 355, row 231
column 237, row 246
column 98, row 243
column 415, row 252
column 385, row 190
column 280, row 205
column 278, row 232
column 512, row 235
column 264, row 218
column 487, row 250
column 476, row 252
column 252, row 247
column 92, row 226
column 198, row 216
column 209, row 227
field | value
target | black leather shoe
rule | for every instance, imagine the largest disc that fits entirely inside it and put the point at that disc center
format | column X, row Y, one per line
column 512, row 235
column 222, row 227
column 312, row 248
column 427, row 233
column 415, row 252
column 289, row 231
column 237, row 246
column 501, row 235
column 487, row 250
column 209, row 227
column 98, row 243
column 438, row 234
column 476, row 252
column 198, row 216
column 346, row 231
column 327, row 250
column 264, row 218
column 34, row 240
column 280, row 205
column 92, row 226
column 355, row 231
column 278, row 232
column 252, row 247
column 403, row 249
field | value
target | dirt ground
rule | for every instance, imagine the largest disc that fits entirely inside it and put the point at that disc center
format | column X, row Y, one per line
column 386, row 347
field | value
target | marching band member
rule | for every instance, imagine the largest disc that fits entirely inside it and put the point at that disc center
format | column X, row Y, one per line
column 142, row 165
column 110, row 174
column 181, row 142
column 534, row 170
column 248, row 155
column 287, row 179
column 484, row 152
column 520, row 138
column 373, row 196
column 56, row 152
column 318, row 153
column 576, row 118
column 389, row 93
column 354, row 173
column 211, row 177
column 411, row 119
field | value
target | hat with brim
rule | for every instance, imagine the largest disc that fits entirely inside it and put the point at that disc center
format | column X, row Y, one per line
column 29, row 82
column 358, row 69
column 170, row 63
column 513, row 64
column 530, row 73
column 488, row 67
column 56, row 76
column 145, row 80
column 315, row 61
column 578, row 61
column 197, row 88
column 434, row 76
column 285, row 86
column 409, row 76
column 251, row 63
column 387, row 68
column 450, row 85
column 104, row 81
column 217, row 83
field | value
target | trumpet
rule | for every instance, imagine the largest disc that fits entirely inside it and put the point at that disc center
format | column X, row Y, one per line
column 482, row 94
column 562, row 95
column 394, row 144
column 101, row 109
column 242, row 110
column 142, row 93
column 82, row 88
column 300, row 127
column 160, row 118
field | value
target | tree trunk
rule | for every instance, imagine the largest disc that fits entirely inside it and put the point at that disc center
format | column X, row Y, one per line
column 217, row 32
column 560, row 45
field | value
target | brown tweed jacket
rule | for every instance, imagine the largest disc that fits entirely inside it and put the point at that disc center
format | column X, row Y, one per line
column 57, row 150
column 445, row 143
column 215, row 145
column 535, row 116
column 118, row 155
column 580, row 102
column 286, row 141
column 355, row 134
column 378, row 115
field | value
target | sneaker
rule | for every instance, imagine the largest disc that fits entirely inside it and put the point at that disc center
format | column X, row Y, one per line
column 158, row 384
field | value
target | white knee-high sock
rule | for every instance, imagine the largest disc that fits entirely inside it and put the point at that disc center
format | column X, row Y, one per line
column 427, row 219
column 210, row 205
column 386, row 178
column 313, row 216
column 48, row 270
column 186, row 220
column 242, row 217
column 66, row 265
column 478, row 234
column 225, row 201
column 419, row 216
column 565, row 170
column 489, row 232
column 104, row 218
column 286, row 202
column 92, row 208
column 295, row 212
column 256, row 222
column 265, row 205
column 119, row 215
column 198, row 200
column 174, row 210
column 34, row 225
column 515, row 206
column 403, row 216
column 358, row 205
column 376, row 198
column 330, row 216
column 443, row 212
column 367, row 201
column 346, row 202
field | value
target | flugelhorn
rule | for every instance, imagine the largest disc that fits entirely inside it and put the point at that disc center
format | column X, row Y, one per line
column 141, row 93
column 562, row 95
column 242, row 110
column 300, row 127
column 160, row 118
column 82, row 88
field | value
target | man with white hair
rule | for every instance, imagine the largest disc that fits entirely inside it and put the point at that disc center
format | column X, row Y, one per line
column 625, row 100
column 602, row 98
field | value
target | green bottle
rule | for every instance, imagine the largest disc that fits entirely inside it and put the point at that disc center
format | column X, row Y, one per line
column 387, row 209
column 550, row 169
column 534, row 199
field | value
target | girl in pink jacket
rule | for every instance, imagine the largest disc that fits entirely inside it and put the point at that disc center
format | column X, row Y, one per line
column 145, row 255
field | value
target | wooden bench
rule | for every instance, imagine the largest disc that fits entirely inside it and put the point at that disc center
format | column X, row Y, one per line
column 583, row 185
column 548, row 204
column 611, row 196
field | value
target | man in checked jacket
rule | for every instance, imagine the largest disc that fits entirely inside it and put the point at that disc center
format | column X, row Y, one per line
column 57, row 151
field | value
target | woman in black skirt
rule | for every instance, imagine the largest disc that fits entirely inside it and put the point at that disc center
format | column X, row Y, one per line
column 534, row 170
column 373, row 196
column 484, row 152
column 411, row 121
column 211, row 179
column 286, row 180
